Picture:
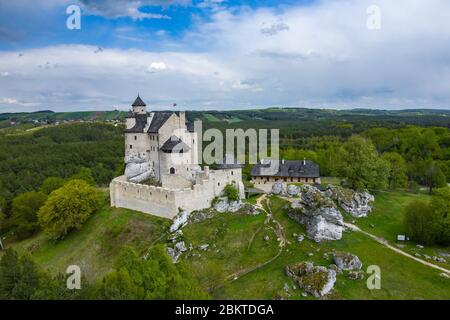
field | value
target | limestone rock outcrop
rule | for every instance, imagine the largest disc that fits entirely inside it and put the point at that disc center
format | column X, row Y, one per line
column 358, row 204
column 137, row 169
column 315, row 280
column 292, row 190
column 279, row 188
column 179, row 221
column 224, row 205
column 319, row 215
column 346, row 261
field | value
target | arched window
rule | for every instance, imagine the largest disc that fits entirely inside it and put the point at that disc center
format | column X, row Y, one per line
column 172, row 170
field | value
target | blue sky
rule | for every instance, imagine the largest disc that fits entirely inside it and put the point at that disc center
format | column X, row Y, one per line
column 219, row 54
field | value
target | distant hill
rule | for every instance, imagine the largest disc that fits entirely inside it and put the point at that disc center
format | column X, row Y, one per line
column 295, row 122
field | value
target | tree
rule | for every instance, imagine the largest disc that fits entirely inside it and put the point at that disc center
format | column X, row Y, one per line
column 84, row 174
column 67, row 208
column 433, row 176
column 155, row 277
column 397, row 177
column 24, row 221
column 440, row 206
column 3, row 205
column 51, row 184
column 22, row 279
column 361, row 166
column 9, row 273
column 420, row 222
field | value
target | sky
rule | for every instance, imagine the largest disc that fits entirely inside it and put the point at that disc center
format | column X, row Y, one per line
column 224, row 54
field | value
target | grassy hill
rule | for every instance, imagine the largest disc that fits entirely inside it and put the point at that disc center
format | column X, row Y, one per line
column 237, row 243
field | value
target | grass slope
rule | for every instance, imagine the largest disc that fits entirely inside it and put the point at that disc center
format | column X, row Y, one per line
column 237, row 244
column 402, row 278
column 95, row 246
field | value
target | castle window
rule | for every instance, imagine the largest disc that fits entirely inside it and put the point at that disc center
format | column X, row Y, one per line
column 131, row 146
column 232, row 173
column 135, row 137
column 218, row 183
column 172, row 170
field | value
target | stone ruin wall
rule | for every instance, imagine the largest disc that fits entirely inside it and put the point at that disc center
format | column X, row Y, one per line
column 165, row 202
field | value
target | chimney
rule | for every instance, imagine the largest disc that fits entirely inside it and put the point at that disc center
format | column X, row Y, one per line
column 282, row 161
column 304, row 161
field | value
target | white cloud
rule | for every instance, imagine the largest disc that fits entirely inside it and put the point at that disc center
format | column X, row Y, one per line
column 157, row 66
column 326, row 58
column 4, row 74
column 127, row 8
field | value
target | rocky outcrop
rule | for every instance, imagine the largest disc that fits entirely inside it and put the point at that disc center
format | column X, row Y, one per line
column 224, row 205
column 137, row 169
column 176, row 252
column 179, row 221
column 315, row 280
column 358, row 204
column 347, row 261
column 279, row 188
column 292, row 190
column 319, row 215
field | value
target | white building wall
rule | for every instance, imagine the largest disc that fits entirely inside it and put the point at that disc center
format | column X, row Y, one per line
column 166, row 202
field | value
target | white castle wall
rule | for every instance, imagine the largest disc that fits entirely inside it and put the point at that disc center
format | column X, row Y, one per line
column 165, row 202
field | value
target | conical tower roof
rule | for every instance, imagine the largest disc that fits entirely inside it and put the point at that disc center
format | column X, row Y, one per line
column 138, row 102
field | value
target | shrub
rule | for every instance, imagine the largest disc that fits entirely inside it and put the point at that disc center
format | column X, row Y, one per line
column 429, row 223
column 24, row 214
column 231, row 192
column 68, row 208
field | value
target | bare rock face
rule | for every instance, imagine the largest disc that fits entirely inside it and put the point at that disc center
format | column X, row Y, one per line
column 224, row 205
column 176, row 252
column 347, row 261
column 319, row 214
column 279, row 188
column 315, row 280
column 358, row 204
column 137, row 169
column 179, row 221
column 292, row 190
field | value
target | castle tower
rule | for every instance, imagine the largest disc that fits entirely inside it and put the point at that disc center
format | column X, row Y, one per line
column 139, row 106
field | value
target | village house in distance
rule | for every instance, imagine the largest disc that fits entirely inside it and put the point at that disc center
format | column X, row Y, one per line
column 162, row 174
column 286, row 171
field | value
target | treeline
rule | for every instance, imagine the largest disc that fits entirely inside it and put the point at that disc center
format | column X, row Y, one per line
column 132, row 278
column 27, row 159
column 381, row 158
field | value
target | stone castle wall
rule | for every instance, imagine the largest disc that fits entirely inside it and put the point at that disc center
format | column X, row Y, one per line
column 165, row 202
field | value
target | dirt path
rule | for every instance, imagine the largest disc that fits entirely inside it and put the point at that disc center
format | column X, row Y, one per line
column 385, row 243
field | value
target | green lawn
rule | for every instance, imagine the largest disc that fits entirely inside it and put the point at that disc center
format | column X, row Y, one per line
column 237, row 244
column 402, row 278
column 94, row 247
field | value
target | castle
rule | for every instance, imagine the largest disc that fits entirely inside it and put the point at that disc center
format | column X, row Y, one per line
column 162, row 173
